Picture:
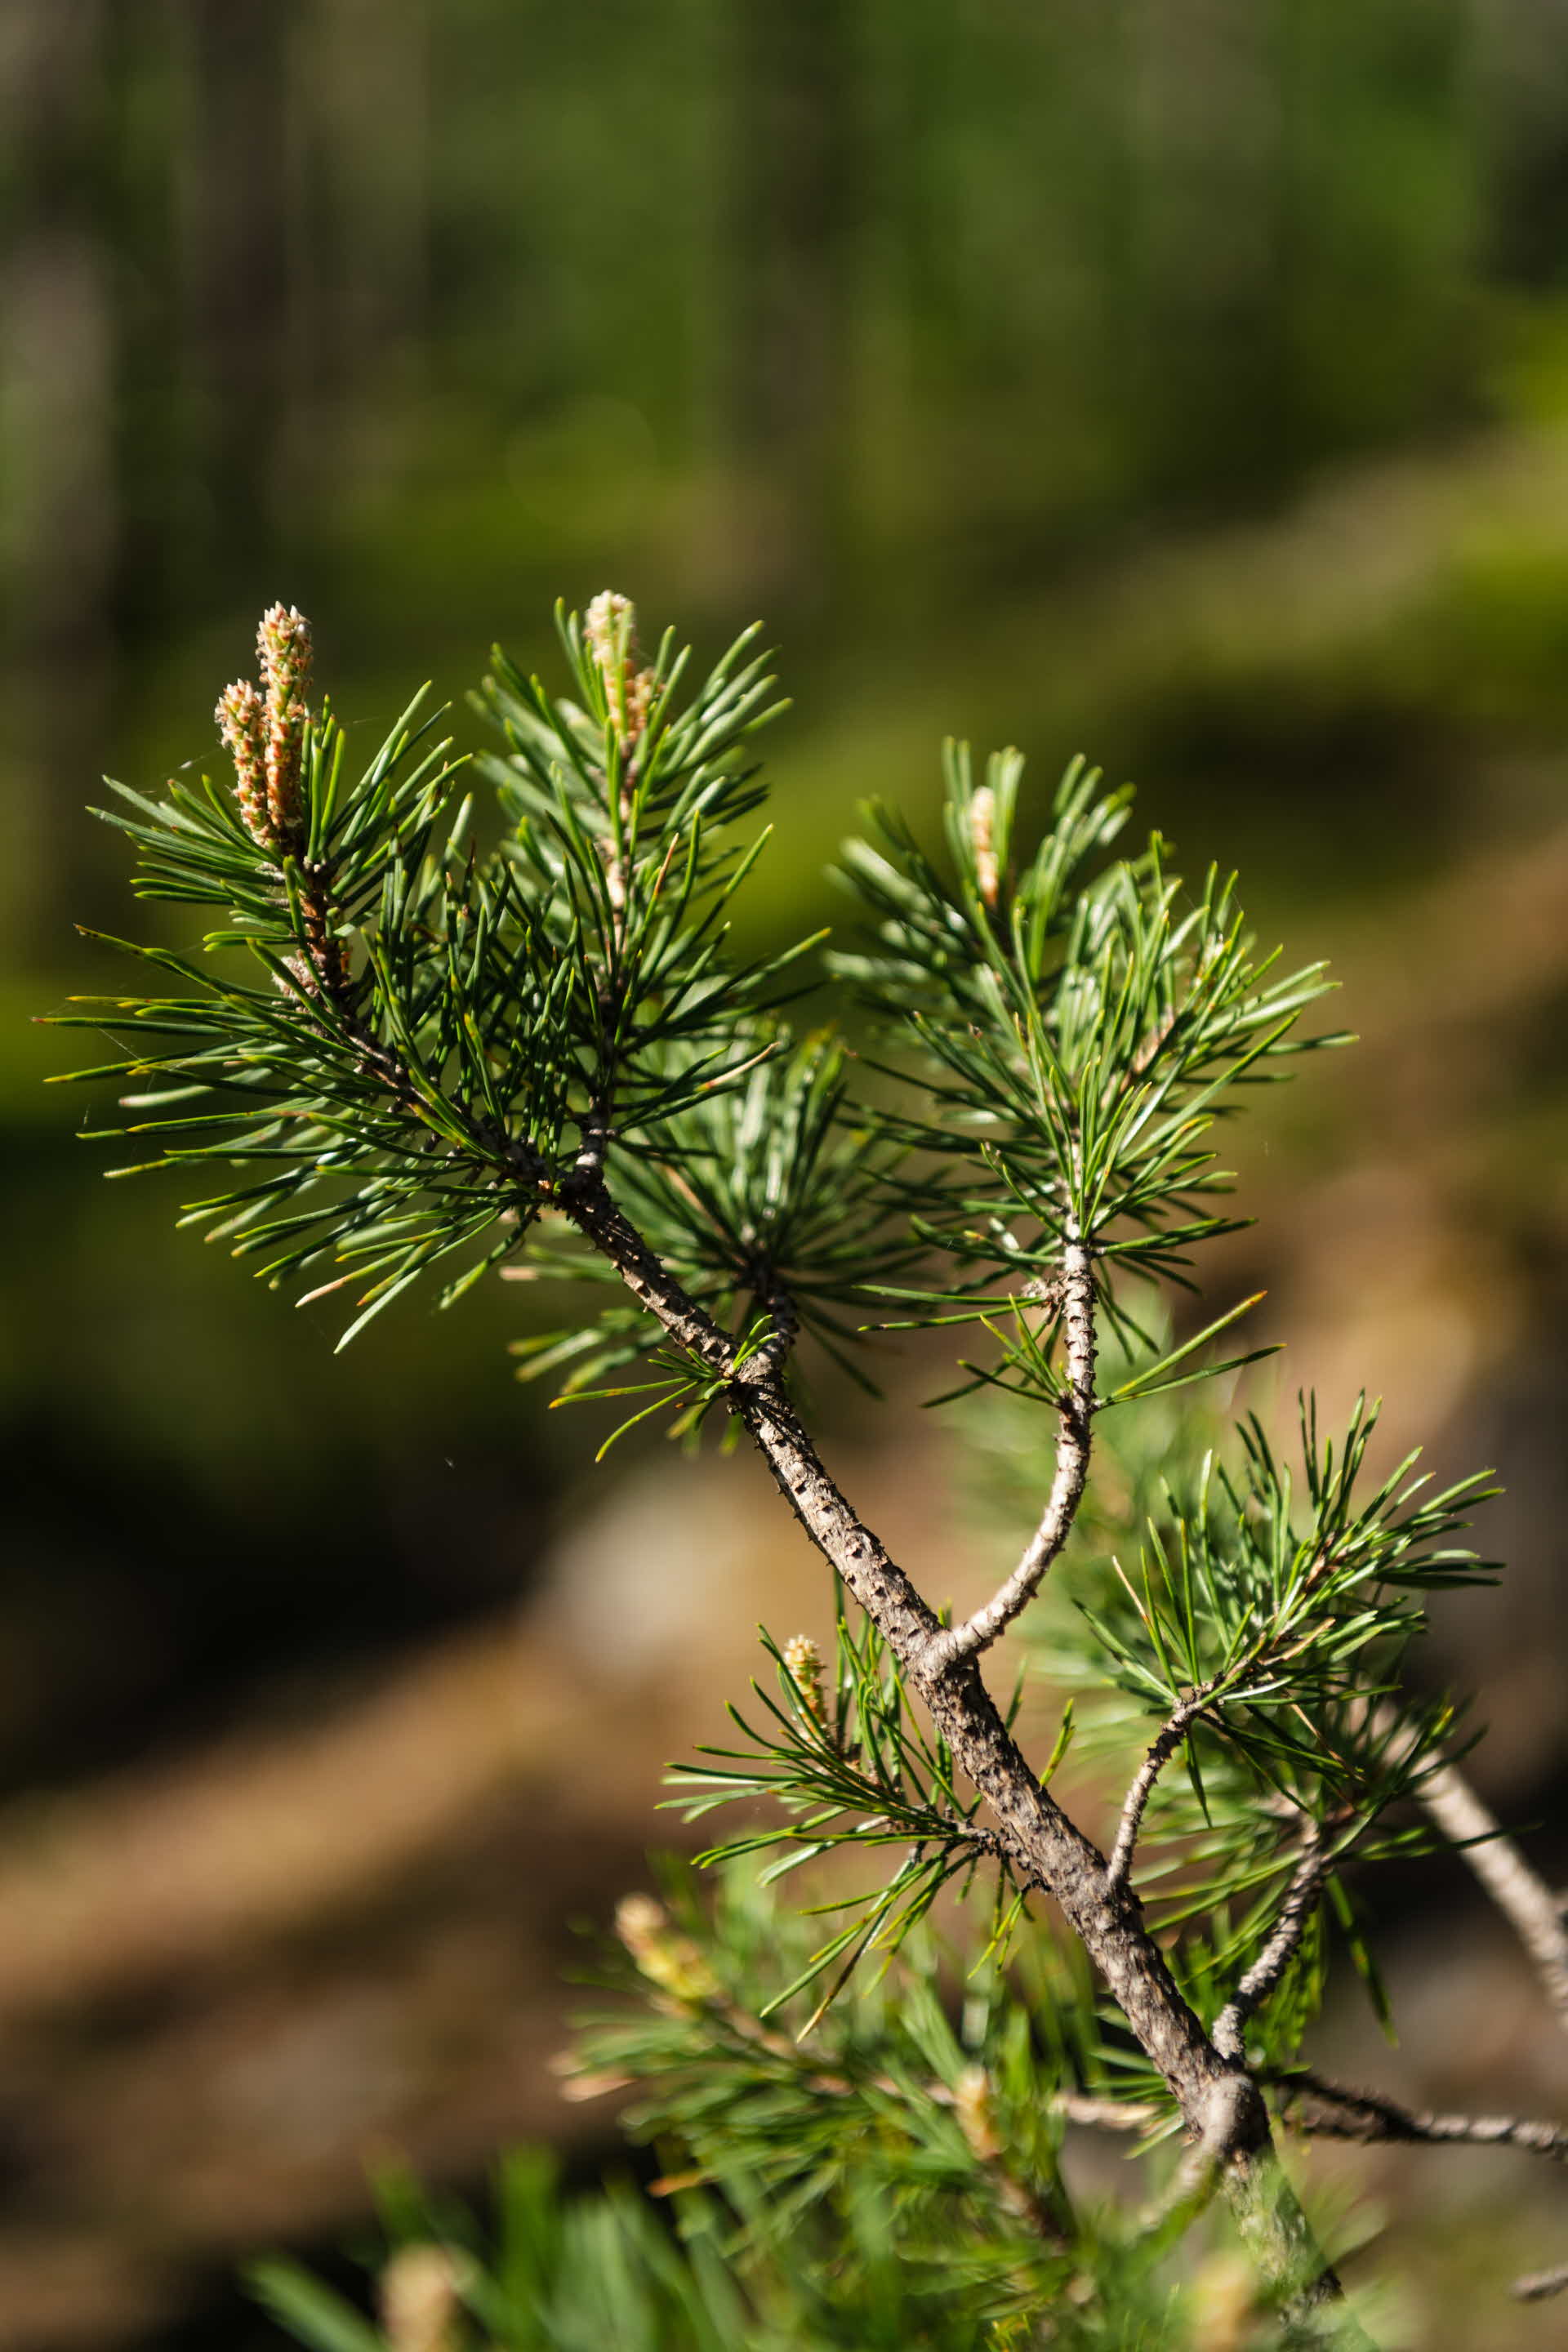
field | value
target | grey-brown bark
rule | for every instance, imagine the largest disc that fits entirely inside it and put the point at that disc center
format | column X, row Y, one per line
column 1077, row 1410
column 1295, row 1914
column 1162, row 1748
column 1332, row 2111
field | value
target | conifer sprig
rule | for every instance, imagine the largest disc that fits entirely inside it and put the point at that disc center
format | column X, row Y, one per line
column 438, row 1038
column 1075, row 1028
column 841, row 1754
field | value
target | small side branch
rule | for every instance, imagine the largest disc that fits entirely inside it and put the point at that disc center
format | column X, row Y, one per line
column 1526, row 1902
column 1230, row 2031
column 1166, row 1741
column 1523, row 1897
column 1340, row 2113
column 1076, row 1410
column 1537, row 2285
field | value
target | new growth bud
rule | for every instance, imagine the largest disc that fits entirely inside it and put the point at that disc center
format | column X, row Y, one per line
column 283, row 643
column 241, row 724
column 803, row 1661
column 610, row 627
column 666, row 1957
column 264, row 728
column 974, row 2106
column 264, row 731
column 421, row 2300
column 982, row 824
column 610, row 624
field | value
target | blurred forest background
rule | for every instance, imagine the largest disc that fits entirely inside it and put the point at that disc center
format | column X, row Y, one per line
column 1180, row 380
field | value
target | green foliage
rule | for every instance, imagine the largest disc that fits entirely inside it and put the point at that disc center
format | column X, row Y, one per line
column 1324, row 1582
column 428, row 1023
column 367, row 1113
column 621, row 806
column 577, row 2273
column 1272, row 1614
column 1076, row 1029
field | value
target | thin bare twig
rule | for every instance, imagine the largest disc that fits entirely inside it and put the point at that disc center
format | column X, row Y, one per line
column 1372, row 2116
column 1077, row 1410
column 1536, row 2285
column 1368, row 2115
column 1166, row 1741
column 1525, row 1900
column 1229, row 2030
column 1521, row 1893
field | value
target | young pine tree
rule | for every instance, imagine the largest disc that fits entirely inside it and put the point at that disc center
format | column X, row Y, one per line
column 397, row 1057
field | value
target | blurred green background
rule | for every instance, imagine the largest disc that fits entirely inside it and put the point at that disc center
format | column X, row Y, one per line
column 1184, row 381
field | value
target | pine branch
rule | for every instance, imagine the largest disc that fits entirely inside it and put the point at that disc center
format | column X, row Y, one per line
column 434, row 1028
column 1230, row 2028
column 1269, row 1628
column 1076, row 1408
column 1223, row 2107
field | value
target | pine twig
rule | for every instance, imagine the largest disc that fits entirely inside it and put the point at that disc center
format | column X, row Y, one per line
column 1522, row 1896
column 1372, row 2116
column 1166, row 1741
column 1536, row 2286
column 1076, row 1408
column 1174, row 1730
column 1229, row 2032
column 1106, row 2115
